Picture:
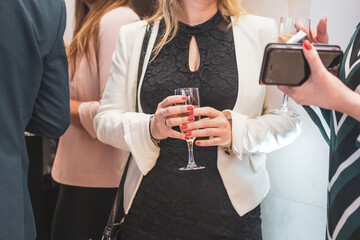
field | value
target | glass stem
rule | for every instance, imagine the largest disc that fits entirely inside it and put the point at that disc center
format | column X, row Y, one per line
column 284, row 103
column 190, row 144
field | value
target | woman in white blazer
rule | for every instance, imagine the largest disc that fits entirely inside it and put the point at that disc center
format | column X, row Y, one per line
column 192, row 45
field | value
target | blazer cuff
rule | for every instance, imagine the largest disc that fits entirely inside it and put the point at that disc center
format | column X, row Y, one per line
column 263, row 134
column 137, row 137
column 87, row 112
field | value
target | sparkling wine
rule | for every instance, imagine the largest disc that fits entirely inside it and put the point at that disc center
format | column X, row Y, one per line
column 193, row 99
column 283, row 38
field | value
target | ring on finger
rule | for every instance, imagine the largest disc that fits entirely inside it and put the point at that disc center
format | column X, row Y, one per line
column 166, row 123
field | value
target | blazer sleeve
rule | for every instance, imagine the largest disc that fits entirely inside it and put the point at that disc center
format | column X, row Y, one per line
column 116, row 123
column 109, row 31
column 51, row 112
column 262, row 134
column 267, row 132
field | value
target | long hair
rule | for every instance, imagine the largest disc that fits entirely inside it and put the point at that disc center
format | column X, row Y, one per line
column 170, row 11
column 87, row 27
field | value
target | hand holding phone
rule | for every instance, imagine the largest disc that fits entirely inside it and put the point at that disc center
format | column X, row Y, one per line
column 285, row 64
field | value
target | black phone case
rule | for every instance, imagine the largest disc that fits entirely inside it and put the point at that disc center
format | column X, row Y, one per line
column 285, row 64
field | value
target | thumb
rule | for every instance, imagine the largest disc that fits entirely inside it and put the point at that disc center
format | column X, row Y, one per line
column 312, row 57
column 322, row 34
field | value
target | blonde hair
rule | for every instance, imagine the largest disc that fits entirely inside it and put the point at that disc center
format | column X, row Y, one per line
column 87, row 26
column 170, row 11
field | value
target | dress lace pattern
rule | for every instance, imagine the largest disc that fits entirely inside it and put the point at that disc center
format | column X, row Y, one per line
column 173, row 204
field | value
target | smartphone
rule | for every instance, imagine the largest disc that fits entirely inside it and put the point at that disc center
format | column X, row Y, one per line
column 285, row 64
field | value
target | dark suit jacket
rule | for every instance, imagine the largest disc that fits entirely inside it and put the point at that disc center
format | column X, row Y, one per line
column 34, row 97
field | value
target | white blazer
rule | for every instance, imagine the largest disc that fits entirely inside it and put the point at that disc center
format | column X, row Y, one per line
column 254, row 133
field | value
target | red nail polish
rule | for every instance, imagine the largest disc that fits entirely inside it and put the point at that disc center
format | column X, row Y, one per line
column 184, row 98
column 307, row 45
column 191, row 118
column 190, row 113
column 184, row 126
column 190, row 108
column 188, row 133
column 186, row 138
column 198, row 143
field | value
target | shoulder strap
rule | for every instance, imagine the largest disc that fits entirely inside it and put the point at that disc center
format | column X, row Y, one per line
column 117, row 212
column 141, row 60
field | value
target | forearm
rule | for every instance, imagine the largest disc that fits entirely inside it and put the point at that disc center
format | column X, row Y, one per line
column 350, row 103
column 265, row 133
column 128, row 131
column 74, row 112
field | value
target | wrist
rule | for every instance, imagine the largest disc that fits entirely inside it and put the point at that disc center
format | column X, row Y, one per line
column 153, row 139
column 228, row 147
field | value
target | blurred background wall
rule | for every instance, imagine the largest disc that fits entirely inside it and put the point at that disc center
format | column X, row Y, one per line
column 296, row 205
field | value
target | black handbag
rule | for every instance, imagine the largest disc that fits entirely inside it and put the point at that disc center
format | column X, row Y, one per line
column 112, row 230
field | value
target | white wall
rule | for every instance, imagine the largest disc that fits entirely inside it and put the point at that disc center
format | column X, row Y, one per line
column 296, row 205
column 70, row 7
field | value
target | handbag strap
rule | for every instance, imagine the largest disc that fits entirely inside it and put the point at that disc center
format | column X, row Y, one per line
column 120, row 192
column 144, row 48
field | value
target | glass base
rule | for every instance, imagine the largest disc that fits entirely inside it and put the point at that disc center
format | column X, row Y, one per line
column 284, row 112
column 190, row 167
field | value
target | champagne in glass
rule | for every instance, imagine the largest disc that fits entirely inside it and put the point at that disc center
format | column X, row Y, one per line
column 283, row 38
column 193, row 99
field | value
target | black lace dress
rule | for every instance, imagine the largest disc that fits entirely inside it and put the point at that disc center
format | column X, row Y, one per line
column 173, row 204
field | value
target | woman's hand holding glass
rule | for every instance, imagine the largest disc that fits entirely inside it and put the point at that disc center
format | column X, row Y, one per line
column 287, row 30
column 173, row 111
column 166, row 117
column 215, row 126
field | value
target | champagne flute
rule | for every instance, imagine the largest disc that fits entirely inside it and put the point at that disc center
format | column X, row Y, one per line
column 193, row 99
column 287, row 29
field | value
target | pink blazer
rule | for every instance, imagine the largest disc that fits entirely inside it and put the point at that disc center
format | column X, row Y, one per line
column 81, row 159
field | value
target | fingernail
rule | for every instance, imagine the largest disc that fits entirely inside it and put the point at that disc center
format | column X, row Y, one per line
column 325, row 19
column 188, row 133
column 190, row 113
column 184, row 126
column 184, row 98
column 307, row 45
column 198, row 143
column 190, row 108
column 187, row 138
column 191, row 118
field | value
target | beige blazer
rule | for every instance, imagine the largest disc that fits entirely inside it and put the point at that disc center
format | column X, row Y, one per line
column 254, row 133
